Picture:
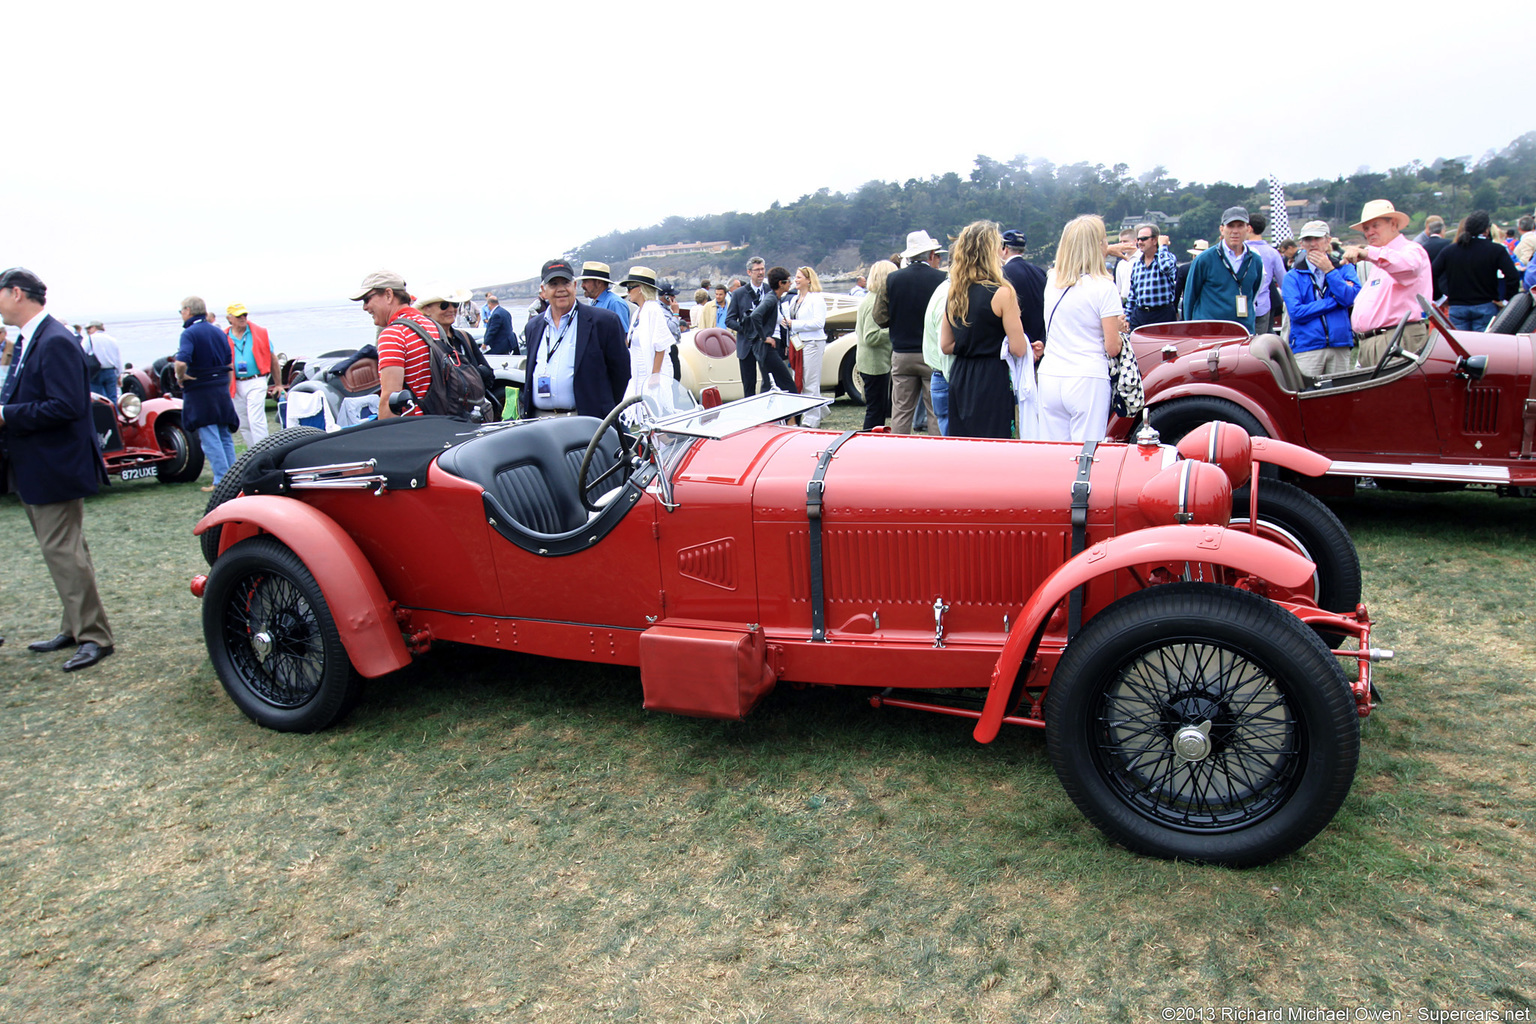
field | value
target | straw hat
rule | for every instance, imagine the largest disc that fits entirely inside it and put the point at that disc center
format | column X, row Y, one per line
column 640, row 275
column 1381, row 208
column 1200, row 246
column 439, row 292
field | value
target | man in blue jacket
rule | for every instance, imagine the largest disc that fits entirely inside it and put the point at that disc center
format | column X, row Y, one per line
column 1318, row 295
column 499, row 338
column 53, row 460
column 1223, row 281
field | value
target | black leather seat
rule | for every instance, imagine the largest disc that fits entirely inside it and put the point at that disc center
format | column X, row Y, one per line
column 529, row 471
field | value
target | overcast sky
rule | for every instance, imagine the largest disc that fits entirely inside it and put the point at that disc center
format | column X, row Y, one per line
column 276, row 152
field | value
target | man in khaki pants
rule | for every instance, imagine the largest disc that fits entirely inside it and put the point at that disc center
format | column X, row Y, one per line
column 53, row 459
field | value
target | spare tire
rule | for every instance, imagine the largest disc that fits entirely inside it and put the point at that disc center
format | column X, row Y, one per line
column 1510, row 319
column 229, row 487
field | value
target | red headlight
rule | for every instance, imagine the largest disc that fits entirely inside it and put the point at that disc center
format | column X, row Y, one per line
column 1221, row 444
column 1187, row 492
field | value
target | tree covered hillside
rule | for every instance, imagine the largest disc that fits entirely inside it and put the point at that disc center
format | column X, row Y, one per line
column 837, row 232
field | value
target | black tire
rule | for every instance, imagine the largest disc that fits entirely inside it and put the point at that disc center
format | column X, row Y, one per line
column 187, row 463
column 1267, row 724
column 229, row 487
column 131, row 385
column 272, row 639
column 1173, row 419
column 1310, row 528
column 1528, row 325
column 1510, row 319
column 848, row 380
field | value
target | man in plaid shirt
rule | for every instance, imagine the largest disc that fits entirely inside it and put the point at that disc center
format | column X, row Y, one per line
column 1151, row 300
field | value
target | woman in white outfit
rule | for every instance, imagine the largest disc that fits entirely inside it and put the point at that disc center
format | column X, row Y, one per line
column 649, row 335
column 1083, row 321
column 806, row 318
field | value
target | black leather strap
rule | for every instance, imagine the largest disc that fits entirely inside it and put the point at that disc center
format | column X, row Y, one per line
column 814, row 490
column 1081, row 488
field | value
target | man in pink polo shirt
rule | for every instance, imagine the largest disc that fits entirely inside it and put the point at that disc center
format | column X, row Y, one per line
column 1393, row 273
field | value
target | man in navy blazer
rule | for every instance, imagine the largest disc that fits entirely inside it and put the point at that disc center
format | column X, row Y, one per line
column 577, row 359
column 743, row 301
column 500, row 339
column 53, row 459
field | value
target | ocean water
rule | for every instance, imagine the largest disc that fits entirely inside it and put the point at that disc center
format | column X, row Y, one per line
column 299, row 330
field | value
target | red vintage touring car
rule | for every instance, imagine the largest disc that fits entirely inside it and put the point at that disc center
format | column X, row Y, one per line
column 1175, row 661
column 1458, row 410
column 146, row 438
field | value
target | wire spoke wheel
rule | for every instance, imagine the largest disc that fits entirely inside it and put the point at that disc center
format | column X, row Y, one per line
column 1199, row 737
column 1202, row 722
column 272, row 639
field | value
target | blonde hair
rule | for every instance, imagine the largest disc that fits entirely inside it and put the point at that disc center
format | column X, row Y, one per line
column 973, row 259
column 1080, row 252
column 647, row 292
column 810, row 275
column 878, row 272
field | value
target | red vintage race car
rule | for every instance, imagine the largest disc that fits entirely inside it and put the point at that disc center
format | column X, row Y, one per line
column 1175, row 662
column 1459, row 410
column 146, row 438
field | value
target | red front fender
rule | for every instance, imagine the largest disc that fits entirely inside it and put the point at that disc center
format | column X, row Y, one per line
column 1213, row 544
column 351, row 588
column 1290, row 456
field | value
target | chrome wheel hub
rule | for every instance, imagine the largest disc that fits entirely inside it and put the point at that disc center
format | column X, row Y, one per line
column 1192, row 742
column 261, row 643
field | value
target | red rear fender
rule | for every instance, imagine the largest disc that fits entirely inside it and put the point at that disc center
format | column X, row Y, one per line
column 1212, row 544
column 351, row 587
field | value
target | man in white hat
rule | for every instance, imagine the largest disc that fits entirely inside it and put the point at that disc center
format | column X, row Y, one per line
column 104, row 347
column 908, row 291
column 1393, row 273
column 1318, row 296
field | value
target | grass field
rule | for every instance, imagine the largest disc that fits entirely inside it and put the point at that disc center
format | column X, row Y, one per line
column 493, row 837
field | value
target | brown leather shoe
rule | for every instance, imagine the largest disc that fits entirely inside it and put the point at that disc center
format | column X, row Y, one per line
column 58, row 643
column 88, row 655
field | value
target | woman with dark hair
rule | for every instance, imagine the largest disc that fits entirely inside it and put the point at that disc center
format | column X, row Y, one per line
column 1469, row 271
column 981, row 320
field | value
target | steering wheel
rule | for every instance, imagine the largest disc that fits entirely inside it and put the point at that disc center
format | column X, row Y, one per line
column 622, row 463
column 1394, row 348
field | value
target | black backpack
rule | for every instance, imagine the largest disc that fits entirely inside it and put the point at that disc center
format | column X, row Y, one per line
column 456, row 389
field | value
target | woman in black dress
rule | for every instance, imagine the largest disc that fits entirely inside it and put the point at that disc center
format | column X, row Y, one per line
column 981, row 315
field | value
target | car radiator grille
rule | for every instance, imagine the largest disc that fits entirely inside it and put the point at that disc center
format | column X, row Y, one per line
column 965, row 565
column 1482, row 415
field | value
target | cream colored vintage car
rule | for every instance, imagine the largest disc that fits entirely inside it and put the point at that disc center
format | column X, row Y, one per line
column 708, row 356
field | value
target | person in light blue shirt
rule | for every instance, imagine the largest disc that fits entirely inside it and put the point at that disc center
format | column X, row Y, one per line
column 596, row 281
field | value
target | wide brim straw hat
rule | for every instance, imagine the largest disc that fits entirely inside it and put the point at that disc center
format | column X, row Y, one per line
column 1381, row 208
column 640, row 275
column 442, row 293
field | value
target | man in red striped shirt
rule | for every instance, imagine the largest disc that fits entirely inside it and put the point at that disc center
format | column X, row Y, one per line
column 404, row 360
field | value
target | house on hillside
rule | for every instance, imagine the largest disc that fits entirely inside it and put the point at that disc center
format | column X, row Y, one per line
column 1166, row 221
column 680, row 249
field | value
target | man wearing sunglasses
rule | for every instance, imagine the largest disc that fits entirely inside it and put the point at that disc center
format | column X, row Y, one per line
column 1154, row 278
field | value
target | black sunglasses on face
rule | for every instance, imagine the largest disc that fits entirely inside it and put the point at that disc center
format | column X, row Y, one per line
column 1144, row 238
